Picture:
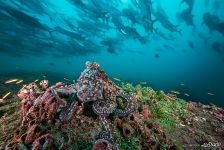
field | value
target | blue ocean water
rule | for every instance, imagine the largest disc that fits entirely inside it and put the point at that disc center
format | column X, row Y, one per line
column 170, row 45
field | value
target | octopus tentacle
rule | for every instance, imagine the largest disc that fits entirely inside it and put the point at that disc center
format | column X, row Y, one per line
column 65, row 90
column 104, row 108
column 131, row 106
column 106, row 134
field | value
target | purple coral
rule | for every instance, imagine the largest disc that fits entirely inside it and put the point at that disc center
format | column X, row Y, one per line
column 39, row 107
column 33, row 133
column 102, row 145
column 48, row 104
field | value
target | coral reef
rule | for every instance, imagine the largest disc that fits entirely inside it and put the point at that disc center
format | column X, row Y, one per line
column 95, row 113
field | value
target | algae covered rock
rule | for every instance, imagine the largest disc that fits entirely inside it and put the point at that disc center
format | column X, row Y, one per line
column 80, row 116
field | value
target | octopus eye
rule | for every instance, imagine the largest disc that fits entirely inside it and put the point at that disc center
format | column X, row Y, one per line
column 105, row 143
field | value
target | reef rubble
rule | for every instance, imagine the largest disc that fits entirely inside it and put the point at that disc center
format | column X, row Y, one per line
column 95, row 113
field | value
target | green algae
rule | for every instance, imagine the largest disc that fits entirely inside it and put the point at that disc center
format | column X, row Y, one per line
column 122, row 103
column 164, row 112
column 7, row 127
column 10, row 107
column 169, row 113
column 131, row 143
column 81, row 144
column 78, row 144
column 22, row 147
column 10, row 121
column 164, row 109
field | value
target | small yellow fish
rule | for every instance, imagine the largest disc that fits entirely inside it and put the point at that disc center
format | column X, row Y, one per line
column 67, row 79
column 211, row 94
column 116, row 79
column 186, row 94
column 11, row 81
column 182, row 125
column 175, row 92
column 20, row 81
column 36, row 80
column 7, row 94
column 143, row 82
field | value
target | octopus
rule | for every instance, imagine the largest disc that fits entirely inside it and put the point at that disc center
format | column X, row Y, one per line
column 94, row 85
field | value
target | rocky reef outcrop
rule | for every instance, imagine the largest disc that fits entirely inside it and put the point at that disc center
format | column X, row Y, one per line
column 95, row 113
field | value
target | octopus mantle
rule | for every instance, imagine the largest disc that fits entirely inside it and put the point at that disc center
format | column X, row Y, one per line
column 94, row 85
